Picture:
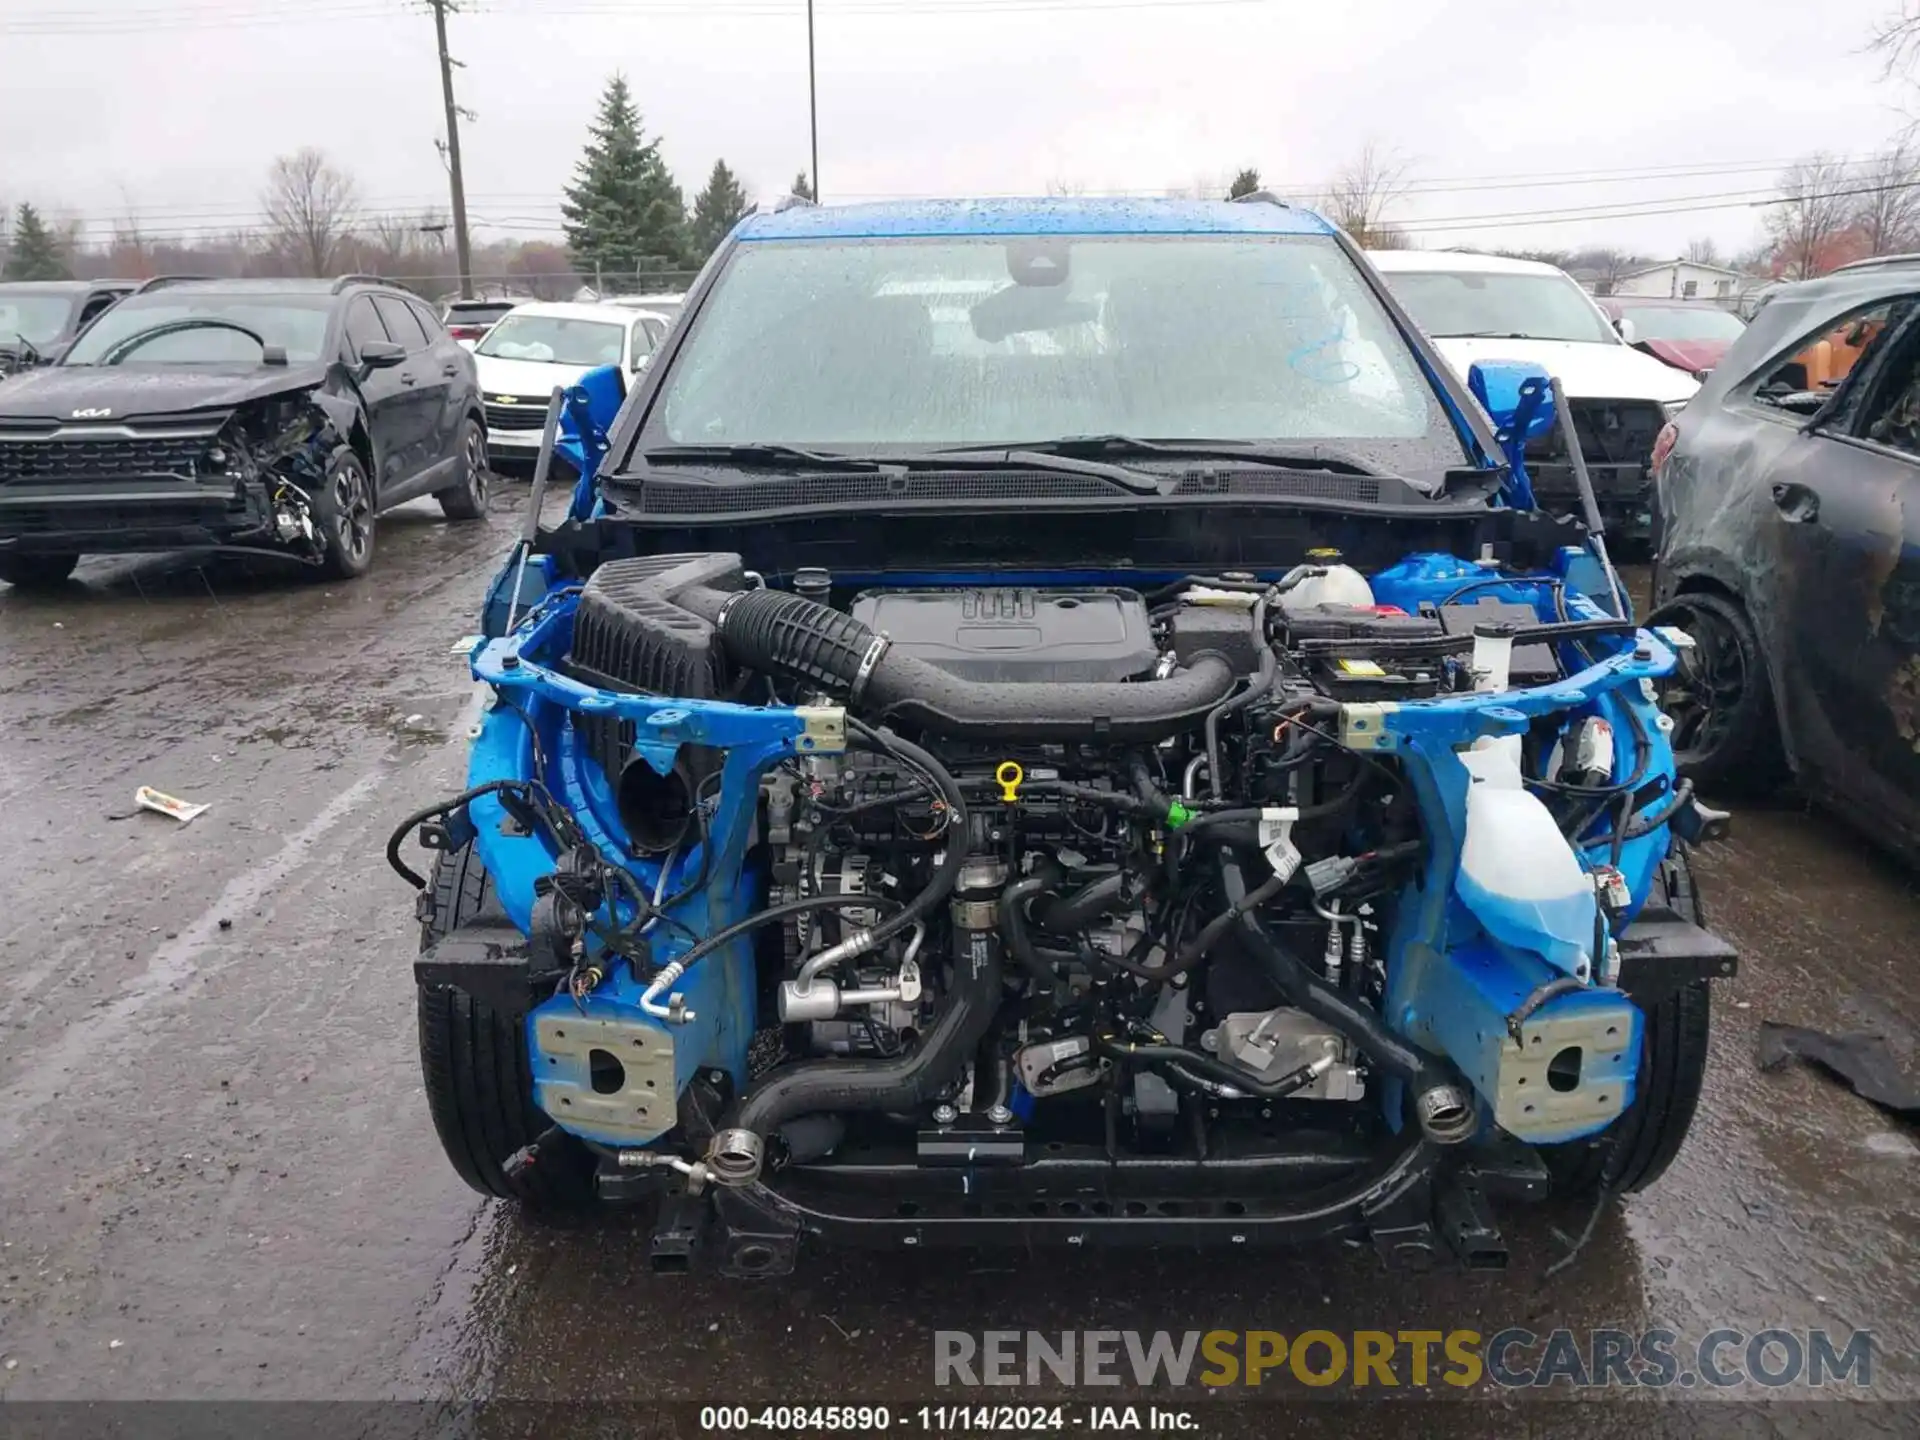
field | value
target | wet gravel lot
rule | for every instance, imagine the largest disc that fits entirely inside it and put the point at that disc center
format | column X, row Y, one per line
column 218, row 1177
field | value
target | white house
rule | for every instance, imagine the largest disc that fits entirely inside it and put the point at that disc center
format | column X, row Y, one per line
column 1681, row 280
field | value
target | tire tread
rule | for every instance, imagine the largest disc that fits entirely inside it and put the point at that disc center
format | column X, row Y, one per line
column 474, row 1062
column 1638, row 1147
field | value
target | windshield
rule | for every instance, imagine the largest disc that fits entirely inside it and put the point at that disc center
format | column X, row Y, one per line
column 1471, row 302
column 555, row 340
column 471, row 311
column 667, row 308
column 1683, row 322
column 296, row 323
column 986, row 340
column 37, row 318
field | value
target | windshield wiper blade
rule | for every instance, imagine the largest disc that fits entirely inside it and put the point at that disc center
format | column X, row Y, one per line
column 1484, row 335
column 1308, row 457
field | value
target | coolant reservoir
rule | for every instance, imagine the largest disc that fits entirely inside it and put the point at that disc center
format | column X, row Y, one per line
column 1518, row 874
column 1340, row 585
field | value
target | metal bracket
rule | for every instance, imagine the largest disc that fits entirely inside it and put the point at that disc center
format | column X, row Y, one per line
column 824, row 729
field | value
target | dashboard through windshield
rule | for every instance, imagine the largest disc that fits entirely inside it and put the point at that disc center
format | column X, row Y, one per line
column 296, row 324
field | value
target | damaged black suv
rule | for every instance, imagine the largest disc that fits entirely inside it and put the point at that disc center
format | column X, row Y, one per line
column 276, row 416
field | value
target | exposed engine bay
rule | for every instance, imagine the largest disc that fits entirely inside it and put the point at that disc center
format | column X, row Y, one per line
column 880, row 906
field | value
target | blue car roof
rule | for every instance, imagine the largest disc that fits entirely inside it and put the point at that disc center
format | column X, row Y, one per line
column 893, row 220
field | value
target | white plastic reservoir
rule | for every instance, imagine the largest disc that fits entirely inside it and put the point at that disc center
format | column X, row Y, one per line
column 1341, row 585
column 1518, row 874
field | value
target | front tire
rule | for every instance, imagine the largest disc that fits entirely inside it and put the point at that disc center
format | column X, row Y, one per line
column 478, row 1079
column 1726, row 738
column 37, row 572
column 467, row 499
column 344, row 509
column 1636, row 1149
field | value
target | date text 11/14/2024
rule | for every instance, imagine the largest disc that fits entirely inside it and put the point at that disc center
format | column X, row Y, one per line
column 947, row 1419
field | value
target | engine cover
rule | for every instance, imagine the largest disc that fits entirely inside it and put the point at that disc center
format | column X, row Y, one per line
column 1000, row 635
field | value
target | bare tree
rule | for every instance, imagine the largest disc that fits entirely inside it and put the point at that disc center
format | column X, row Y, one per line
column 1810, row 214
column 1361, row 194
column 310, row 209
column 1703, row 250
column 1061, row 185
column 1887, row 212
column 1607, row 267
column 1897, row 38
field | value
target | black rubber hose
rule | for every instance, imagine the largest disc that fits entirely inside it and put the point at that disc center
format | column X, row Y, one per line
column 904, row 1083
column 1038, row 963
column 994, row 1068
column 1201, row 1063
column 1303, row 989
column 1196, row 949
column 1261, row 683
column 444, row 807
column 1070, row 914
column 1654, row 816
column 784, row 634
column 1156, row 801
column 948, row 875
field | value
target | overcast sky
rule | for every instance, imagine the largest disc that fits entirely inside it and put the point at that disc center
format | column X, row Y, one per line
column 173, row 111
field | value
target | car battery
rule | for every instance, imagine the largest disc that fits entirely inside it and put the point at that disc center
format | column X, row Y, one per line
column 1363, row 653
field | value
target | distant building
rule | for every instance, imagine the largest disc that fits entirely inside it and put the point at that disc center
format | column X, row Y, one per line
column 1681, row 280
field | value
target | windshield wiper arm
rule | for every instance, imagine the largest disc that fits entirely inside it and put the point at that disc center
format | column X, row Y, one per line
column 998, row 458
column 1307, row 457
column 760, row 453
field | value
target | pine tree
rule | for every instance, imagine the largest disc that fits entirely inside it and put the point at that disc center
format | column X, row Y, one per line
column 624, row 215
column 1245, row 183
column 36, row 253
column 803, row 187
column 716, row 210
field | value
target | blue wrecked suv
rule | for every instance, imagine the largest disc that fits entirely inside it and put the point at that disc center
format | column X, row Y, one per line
column 1060, row 722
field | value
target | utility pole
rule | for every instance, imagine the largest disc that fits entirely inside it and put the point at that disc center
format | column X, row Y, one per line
column 463, row 251
column 813, row 106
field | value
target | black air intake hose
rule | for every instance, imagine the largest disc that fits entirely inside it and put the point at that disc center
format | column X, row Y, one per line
column 838, row 1086
column 782, row 634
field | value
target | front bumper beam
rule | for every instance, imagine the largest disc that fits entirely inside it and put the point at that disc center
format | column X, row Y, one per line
column 1417, row 1203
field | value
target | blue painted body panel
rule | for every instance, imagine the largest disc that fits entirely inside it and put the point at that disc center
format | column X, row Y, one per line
column 533, row 698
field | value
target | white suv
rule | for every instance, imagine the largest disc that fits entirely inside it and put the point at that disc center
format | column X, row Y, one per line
column 1486, row 307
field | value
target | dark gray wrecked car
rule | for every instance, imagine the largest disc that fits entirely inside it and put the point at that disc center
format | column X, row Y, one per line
column 1789, row 549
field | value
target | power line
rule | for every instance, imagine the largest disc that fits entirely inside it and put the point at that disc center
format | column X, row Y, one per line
column 179, row 214
column 145, row 19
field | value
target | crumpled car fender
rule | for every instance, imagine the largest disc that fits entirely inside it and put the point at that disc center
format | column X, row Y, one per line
column 349, row 425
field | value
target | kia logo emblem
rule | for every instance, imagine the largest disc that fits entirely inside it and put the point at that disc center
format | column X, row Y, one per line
column 90, row 414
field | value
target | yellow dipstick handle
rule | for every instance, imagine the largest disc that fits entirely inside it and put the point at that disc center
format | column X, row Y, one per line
column 1009, row 775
